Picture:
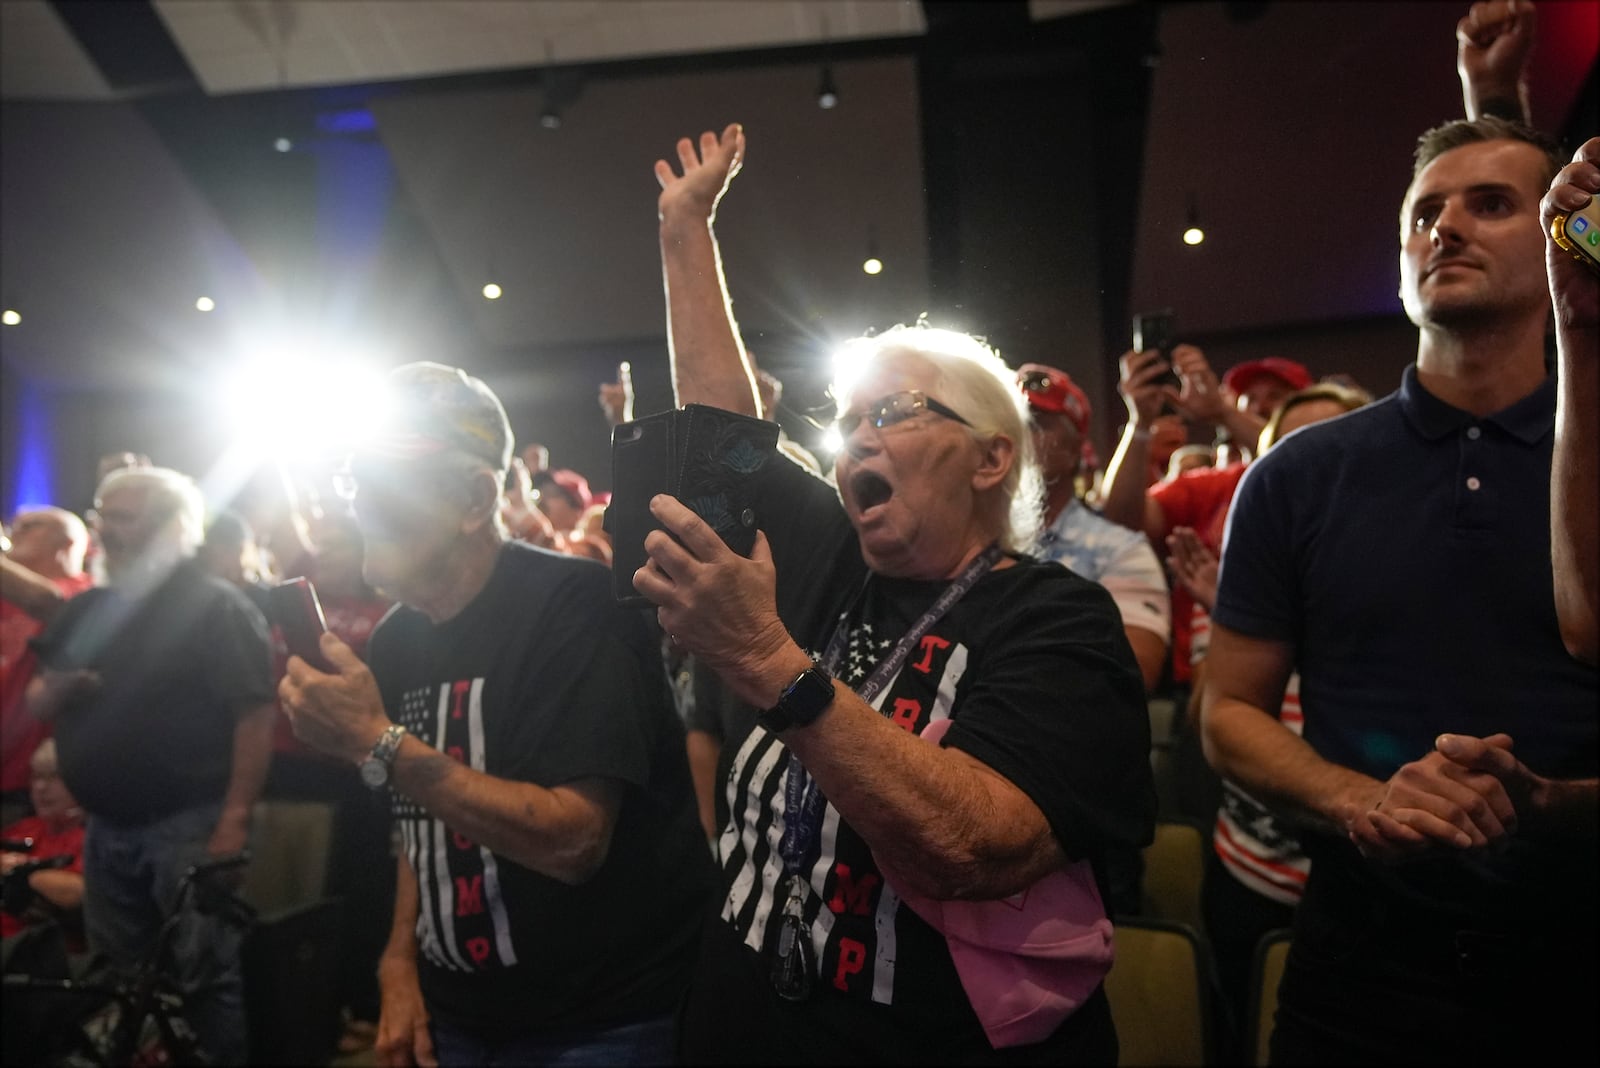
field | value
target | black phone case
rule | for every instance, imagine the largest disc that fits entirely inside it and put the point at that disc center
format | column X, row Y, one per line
column 703, row 456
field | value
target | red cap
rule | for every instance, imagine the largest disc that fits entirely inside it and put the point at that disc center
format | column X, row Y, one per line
column 1241, row 376
column 1051, row 390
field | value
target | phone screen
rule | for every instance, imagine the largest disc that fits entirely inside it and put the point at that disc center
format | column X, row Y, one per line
column 1580, row 234
column 298, row 615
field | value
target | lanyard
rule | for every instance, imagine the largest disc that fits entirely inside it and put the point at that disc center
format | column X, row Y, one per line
column 803, row 800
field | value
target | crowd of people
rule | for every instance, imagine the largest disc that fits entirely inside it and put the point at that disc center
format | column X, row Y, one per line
column 912, row 724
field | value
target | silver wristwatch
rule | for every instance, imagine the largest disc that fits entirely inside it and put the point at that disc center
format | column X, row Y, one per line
column 375, row 768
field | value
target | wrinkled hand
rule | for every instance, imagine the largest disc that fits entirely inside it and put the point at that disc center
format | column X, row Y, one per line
column 1193, row 565
column 1574, row 289
column 705, row 177
column 1493, row 44
column 403, row 1037
column 616, row 398
column 1144, row 396
column 341, row 715
column 713, row 602
column 1435, row 806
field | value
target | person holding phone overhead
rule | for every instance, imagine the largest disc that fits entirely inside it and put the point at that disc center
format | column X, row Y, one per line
column 900, row 604
column 553, row 875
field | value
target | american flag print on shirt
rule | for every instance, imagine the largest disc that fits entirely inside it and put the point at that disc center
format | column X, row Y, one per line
column 461, row 915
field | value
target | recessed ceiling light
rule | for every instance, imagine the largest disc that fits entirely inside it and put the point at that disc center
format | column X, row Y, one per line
column 10, row 317
column 491, row 291
column 205, row 304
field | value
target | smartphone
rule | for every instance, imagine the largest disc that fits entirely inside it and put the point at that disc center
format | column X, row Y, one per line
column 298, row 615
column 641, row 467
column 1579, row 234
column 706, row 458
column 1155, row 330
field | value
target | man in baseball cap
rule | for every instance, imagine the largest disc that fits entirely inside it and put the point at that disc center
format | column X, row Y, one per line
column 1261, row 385
column 537, row 770
column 1119, row 559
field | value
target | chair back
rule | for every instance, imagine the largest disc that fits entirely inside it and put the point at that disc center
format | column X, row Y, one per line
column 1174, row 869
column 1160, row 995
column 1265, row 973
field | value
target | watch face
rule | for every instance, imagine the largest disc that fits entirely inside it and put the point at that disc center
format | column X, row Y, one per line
column 374, row 772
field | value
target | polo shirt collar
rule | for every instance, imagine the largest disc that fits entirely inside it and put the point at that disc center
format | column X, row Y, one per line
column 1528, row 420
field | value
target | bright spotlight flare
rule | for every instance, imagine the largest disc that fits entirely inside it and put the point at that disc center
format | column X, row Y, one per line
column 302, row 402
column 491, row 291
column 1193, row 235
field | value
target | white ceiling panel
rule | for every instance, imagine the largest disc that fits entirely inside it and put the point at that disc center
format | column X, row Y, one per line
column 250, row 45
column 41, row 60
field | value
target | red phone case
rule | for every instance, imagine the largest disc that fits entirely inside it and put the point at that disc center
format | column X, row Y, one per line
column 298, row 614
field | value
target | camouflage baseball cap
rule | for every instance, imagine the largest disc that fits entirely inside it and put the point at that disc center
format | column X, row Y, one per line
column 434, row 409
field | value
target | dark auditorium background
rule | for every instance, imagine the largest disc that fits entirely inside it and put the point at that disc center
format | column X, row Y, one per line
column 1022, row 169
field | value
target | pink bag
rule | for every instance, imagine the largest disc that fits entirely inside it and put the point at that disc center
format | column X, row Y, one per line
column 1027, row 961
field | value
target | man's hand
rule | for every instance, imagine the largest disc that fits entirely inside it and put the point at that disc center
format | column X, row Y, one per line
column 403, row 1037
column 1493, row 44
column 1203, row 398
column 341, row 715
column 616, row 398
column 49, row 691
column 1193, row 565
column 1141, row 392
column 521, row 516
column 705, row 177
column 713, row 602
column 1436, row 805
column 1574, row 289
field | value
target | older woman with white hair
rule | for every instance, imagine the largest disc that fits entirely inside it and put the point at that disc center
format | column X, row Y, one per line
column 884, row 898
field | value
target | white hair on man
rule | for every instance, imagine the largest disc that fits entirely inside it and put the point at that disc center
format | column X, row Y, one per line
column 975, row 381
column 173, row 516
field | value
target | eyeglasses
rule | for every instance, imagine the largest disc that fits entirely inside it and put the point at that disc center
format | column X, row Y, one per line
column 895, row 408
column 1036, row 382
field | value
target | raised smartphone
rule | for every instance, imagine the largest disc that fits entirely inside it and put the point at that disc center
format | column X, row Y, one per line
column 706, row 458
column 1579, row 234
column 298, row 614
column 1155, row 330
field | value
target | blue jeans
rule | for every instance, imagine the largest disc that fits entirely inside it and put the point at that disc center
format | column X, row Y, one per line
column 643, row 1042
column 130, row 876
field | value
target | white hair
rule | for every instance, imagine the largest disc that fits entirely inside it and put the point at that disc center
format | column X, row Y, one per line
column 171, row 495
column 972, row 379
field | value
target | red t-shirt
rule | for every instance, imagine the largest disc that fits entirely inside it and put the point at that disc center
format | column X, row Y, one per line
column 46, row 844
column 1198, row 499
column 20, row 733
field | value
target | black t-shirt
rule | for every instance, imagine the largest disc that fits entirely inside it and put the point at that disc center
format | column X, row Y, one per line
column 1034, row 669
column 544, row 679
column 176, row 665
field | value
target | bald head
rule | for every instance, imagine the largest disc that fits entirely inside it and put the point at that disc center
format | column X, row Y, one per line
column 49, row 541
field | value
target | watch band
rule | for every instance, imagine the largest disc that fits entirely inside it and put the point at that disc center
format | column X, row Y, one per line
column 803, row 700
column 378, row 763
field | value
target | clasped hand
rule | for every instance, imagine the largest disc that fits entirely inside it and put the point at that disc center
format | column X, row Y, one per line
column 1465, row 795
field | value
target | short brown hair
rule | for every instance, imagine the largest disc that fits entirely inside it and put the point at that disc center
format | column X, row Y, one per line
column 1460, row 132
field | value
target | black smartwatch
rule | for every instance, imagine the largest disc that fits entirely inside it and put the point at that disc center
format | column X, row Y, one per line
column 807, row 697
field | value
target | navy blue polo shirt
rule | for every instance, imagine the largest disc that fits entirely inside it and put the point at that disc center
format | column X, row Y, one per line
column 1404, row 550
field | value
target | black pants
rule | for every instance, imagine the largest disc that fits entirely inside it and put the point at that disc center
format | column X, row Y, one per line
column 1236, row 918
column 1371, row 979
